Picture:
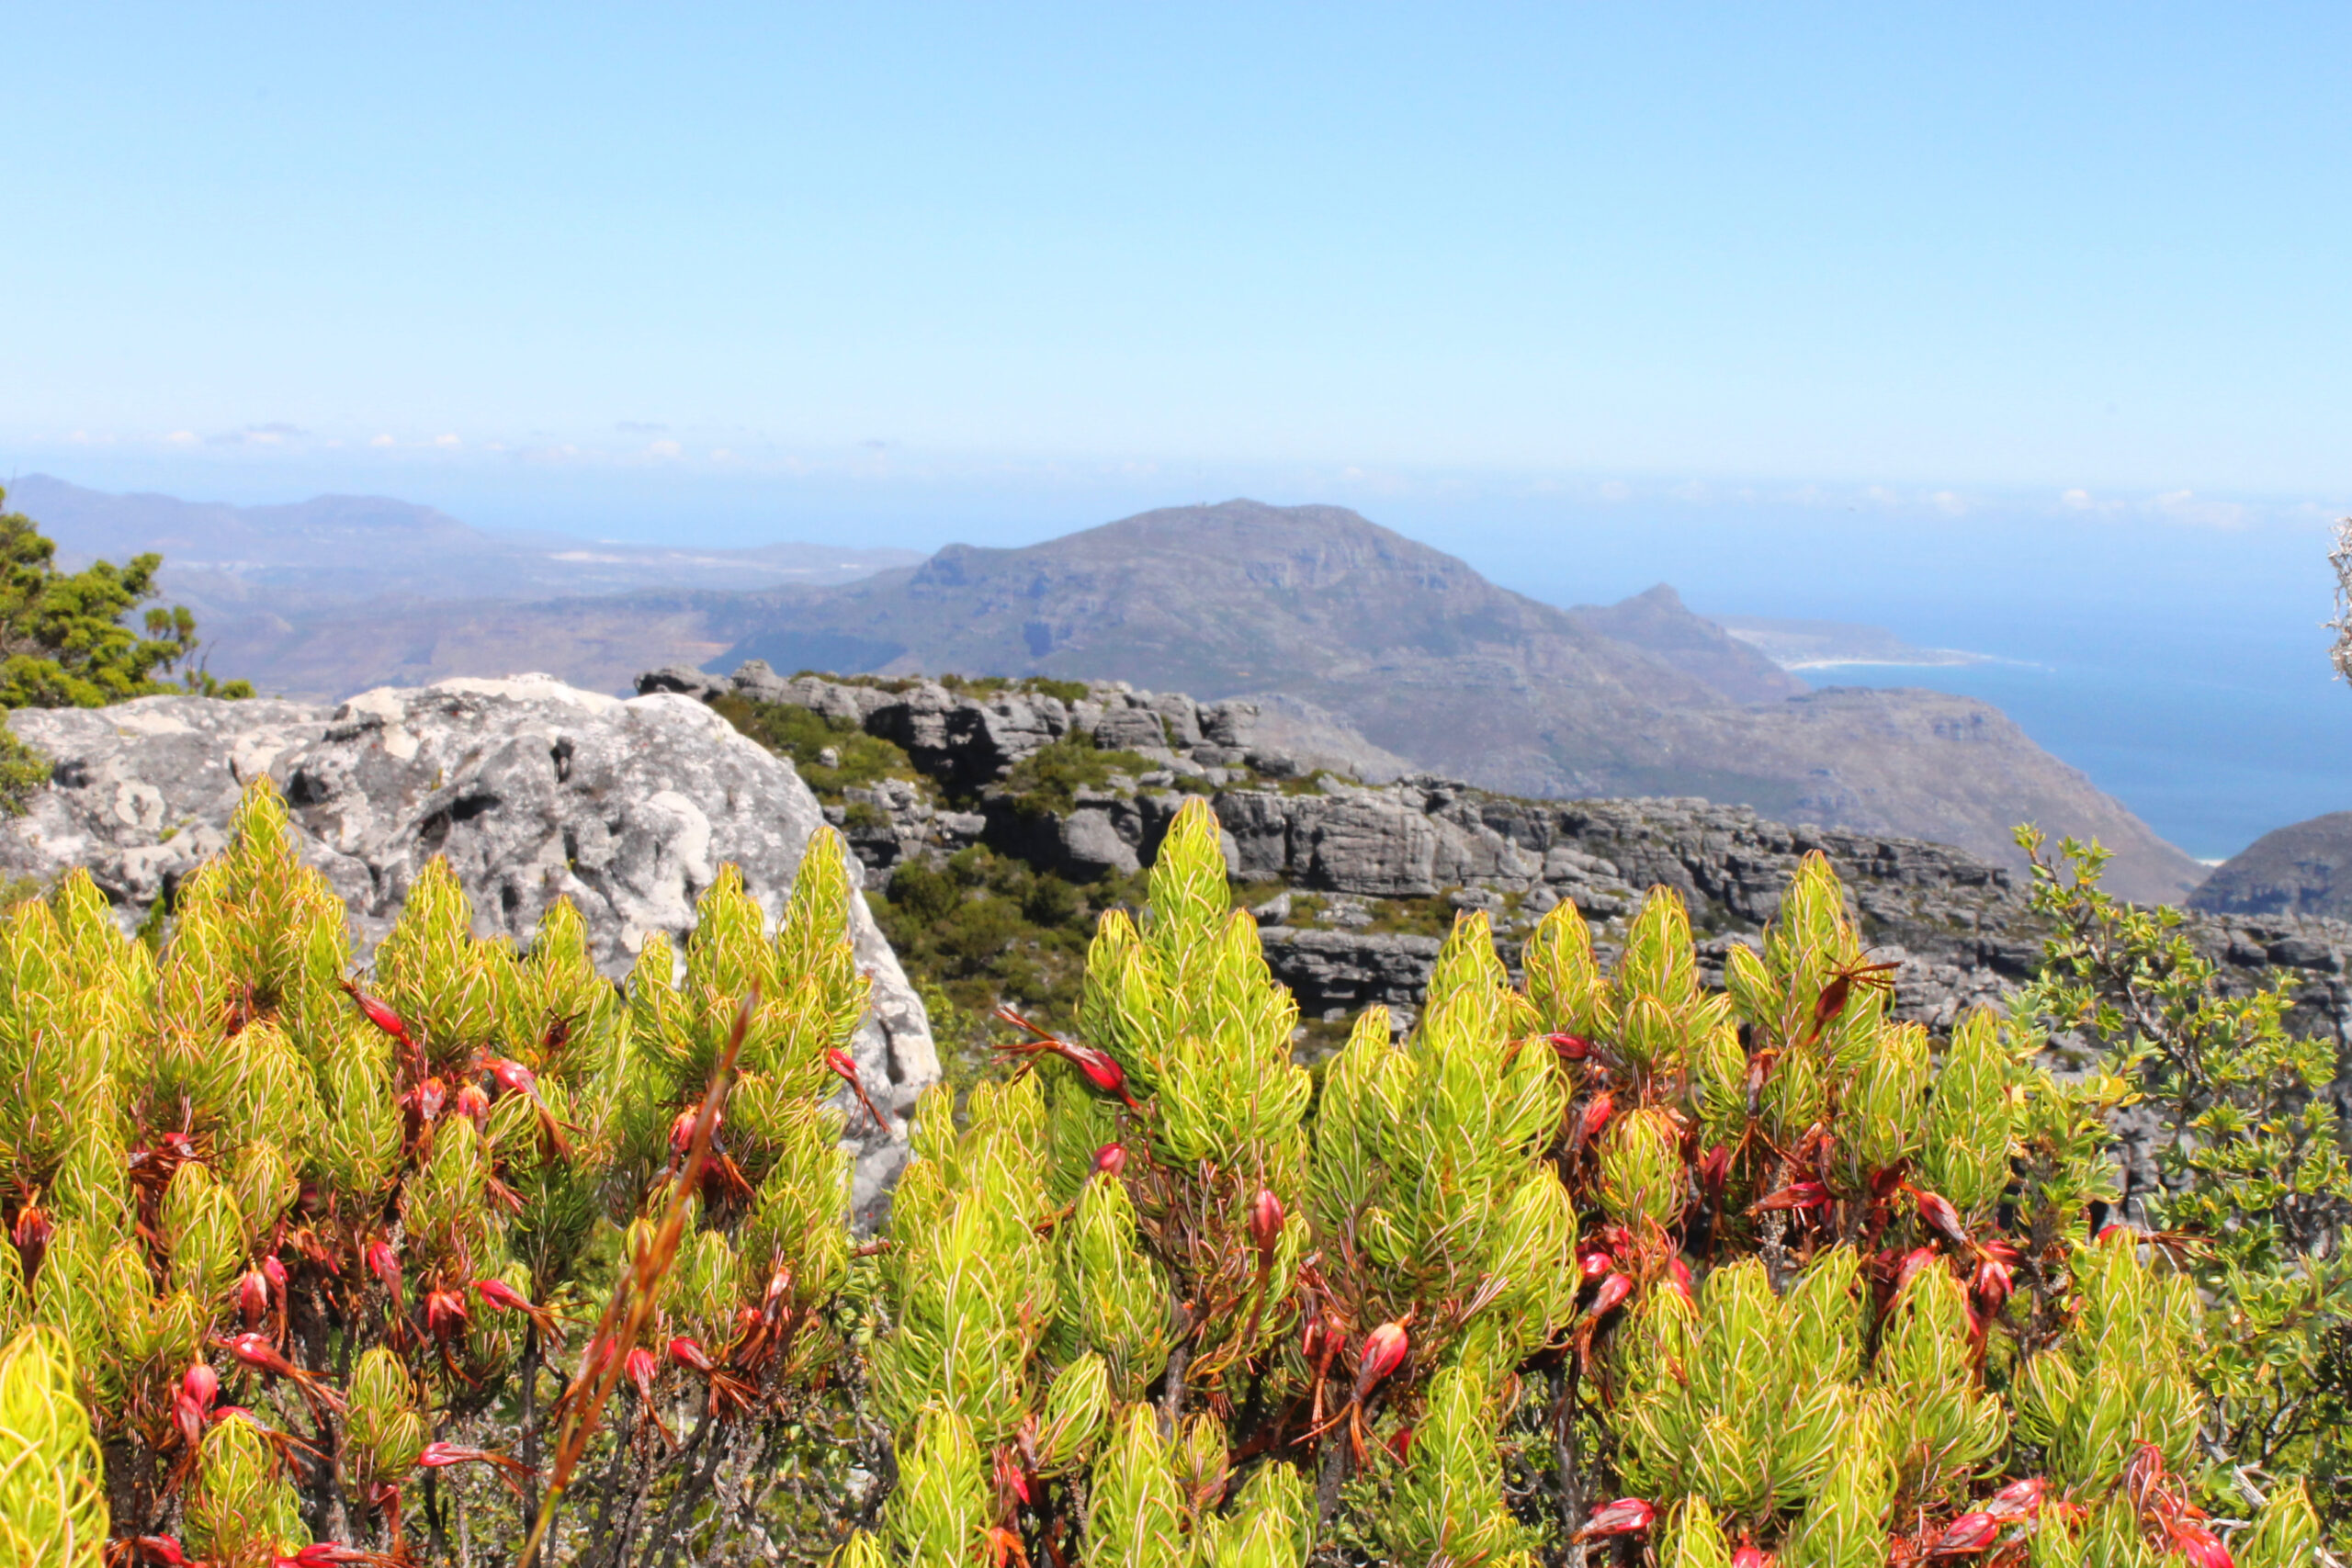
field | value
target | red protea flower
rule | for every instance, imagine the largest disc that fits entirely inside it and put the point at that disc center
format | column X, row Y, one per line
column 432, row 1095
column 1266, row 1227
column 1384, row 1351
column 1596, row 1116
column 1751, row 1555
column 1627, row 1516
column 473, row 1104
column 1111, row 1159
column 1570, row 1047
column 275, row 1272
column 687, row 1352
column 1595, row 1265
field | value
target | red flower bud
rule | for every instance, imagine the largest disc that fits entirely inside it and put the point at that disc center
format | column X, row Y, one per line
column 1750, row 1555
column 32, row 1229
column 1571, row 1047
column 445, row 1313
column 1966, row 1535
column 688, row 1353
column 1596, row 1116
column 2202, row 1547
column 1678, row 1277
column 1595, row 1265
column 1384, row 1351
column 1714, row 1166
column 275, row 1272
column 1103, row 1073
column 1796, row 1195
column 382, row 1016
column 1937, row 1212
column 1266, row 1227
column 513, row 1077
column 200, row 1385
column 2018, row 1499
column 1400, row 1443
column 1918, row 1258
column 1627, row 1516
column 473, row 1105
column 641, row 1367
column 499, row 1294
column 1111, row 1159
column 1611, row 1296
column 1991, row 1287
column 163, row 1549
column 430, row 1096
column 385, row 1264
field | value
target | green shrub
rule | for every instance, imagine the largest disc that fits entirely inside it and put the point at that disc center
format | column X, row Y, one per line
column 1047, row 782
column 1598, row 1256
column 802, row 736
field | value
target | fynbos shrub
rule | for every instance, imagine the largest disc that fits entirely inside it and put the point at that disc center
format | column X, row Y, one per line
column 1600, row 1264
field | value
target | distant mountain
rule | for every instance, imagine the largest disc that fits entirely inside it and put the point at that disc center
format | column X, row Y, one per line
column 1321, row 614
column 1432, row 661
column 317, row 598
column 2303, row 869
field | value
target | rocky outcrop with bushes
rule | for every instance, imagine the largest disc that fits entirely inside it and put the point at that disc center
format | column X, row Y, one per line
column 1354, row 883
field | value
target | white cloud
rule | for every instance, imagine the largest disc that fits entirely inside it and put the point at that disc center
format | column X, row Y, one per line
column 447, row 441
column 381, row 441
column 182, row 438
column 665, row 449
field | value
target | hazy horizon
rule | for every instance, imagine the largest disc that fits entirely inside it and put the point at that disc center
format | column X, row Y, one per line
column 2171, row 648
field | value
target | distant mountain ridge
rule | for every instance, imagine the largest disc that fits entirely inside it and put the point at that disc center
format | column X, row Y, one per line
column 1309, row 608
column 1432, row 661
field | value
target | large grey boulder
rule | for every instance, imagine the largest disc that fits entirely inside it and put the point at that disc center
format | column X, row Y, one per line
column 533, row 790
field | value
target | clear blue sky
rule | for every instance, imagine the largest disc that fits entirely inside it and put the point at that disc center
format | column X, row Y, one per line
column 2020, row 328
column 2021, row 246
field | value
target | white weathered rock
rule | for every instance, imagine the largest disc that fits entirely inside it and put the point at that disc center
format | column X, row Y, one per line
column 532, row 789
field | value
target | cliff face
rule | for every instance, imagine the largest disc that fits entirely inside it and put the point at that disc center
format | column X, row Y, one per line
column 1432, row 661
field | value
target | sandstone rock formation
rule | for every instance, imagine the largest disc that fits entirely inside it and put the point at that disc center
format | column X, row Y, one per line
column 532, row 789
column 1369, row 875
